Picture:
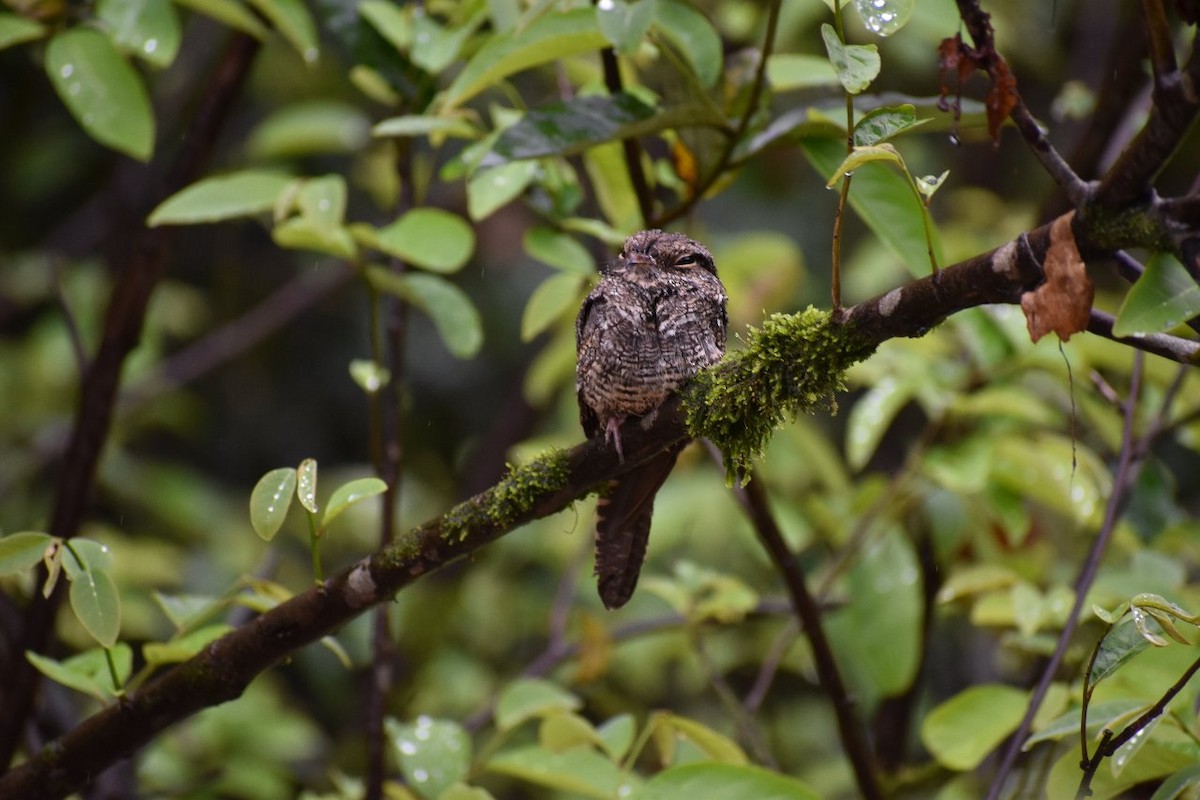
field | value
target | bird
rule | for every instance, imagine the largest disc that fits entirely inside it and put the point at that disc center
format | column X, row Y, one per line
column 656, row 318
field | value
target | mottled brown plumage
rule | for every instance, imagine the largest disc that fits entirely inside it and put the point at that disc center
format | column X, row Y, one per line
column 656, row 318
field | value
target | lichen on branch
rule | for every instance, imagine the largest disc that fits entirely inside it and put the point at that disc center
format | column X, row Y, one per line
column 790, row 365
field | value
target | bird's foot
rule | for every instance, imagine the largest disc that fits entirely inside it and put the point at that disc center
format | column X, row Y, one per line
column 612, row 435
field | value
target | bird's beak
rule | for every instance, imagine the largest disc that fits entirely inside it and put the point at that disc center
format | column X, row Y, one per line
column 636, row 259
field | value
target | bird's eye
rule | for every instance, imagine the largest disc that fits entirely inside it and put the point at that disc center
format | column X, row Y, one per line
column 687, row 260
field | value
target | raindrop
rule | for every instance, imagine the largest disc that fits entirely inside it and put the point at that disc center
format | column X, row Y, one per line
column 270, row 509
column 954, row 140
column 420, row 775
column 67, row 70
column 150, row 45
column 407, row 747
column 74, row 89
column 311, row 54
column 606, row 5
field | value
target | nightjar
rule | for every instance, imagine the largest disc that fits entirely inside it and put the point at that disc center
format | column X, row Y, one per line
column 656, row 318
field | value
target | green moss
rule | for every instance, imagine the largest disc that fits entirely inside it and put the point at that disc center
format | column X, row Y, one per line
column 792, row 364
column 509, row 499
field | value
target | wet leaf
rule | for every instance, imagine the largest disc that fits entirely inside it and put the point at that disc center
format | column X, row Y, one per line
column 92, row 554
column 856, row 64
column 306, row 484
column 572, row 126
column 270, row 501
column 716, row 746
column 490, row 189
column 371, row 376
column 87, row 672
column 186, row 610
column 419, row 125
column 104, row 94
column 693, row 37
column 1063, row 303
column 565, row 730
column 231, row 13
column 148, row 29
column 529, row 698
column 433, row 754
column 581, row 771
column 624, row 24
column 391, row 21
column 872, row 416
column 560, row 250
column 1121, row 643
column 184, row 647
column 616, row 735
column 865, row 155
column 436, row 46
column 310, row 128
column 292, row 20
column 97, row 605
column 881, row 124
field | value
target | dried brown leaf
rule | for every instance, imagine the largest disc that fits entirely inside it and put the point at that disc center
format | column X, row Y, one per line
column 1002, row 98
column 1063, row 302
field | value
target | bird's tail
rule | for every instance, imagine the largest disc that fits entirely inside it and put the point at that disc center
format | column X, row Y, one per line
column 623, row 527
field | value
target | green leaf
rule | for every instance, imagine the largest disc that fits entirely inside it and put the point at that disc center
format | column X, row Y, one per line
column 865, row 155
column 303, row 129
column 964, row 729
column 566, row 729
column 1121, row 643
column 1179, row 783
column 148, row 29
column 21, row 551
column 97, row 605
column 184, row 647
column 856, row 64
column 430, row 238
column 15, row 29
column 392, row 22
column 580, row 771
column 455, row 316
column 291, row 18
column 305, row 233
column 435, row 47
column 93, row 555
column 270, row 501
column 884, row 200
column 306, row 484
column 349, row 494
column 239, row 194
column 549, row 38
column 881, row 124
column 693, row 36
column 231, row 13
column 529, row 698
column 186, row 610
column 549, row 301
column 87, row 672
column 716, row 746
column 421, row 125
column 1163, row 297
column 722, row 782
column 790, row 71
column 616, row 735
column 490, row 189
column 625, row 24
column 560, row 250
column 371, row 376
column 884, row 17
column 434, row 754
column 104, row 94
column 872, row 416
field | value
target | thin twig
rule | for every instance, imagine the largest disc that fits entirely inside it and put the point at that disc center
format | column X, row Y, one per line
column 854, row 741
column 1185, row 351
column 1126, row 472
column 1162, row 49
column 630, row 147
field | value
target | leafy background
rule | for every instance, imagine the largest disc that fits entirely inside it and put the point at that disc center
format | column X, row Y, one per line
column 941, row 514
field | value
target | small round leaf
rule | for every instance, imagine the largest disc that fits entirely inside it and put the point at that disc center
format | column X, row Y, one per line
column 270, row 501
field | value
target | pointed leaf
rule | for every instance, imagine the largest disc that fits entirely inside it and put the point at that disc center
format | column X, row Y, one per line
column 21, row 551
column 184, row 647
column 581, row 771
column 16, row 29
column 420, row 125
column 186, row 610
column 551, row 37
column 490, row 189
column 270, row 501
column 881, row 124
column 788, row 71
column 291, row 18
column 239, row 194
column 560, row 250
column 349, row 494
column 865, row 155
column 148, row 29
column 1121, row 643
column 1163, row 297
column 716, row 746
column 97, row 605
column 87, row 672
column 856, row 64
column 392, row 22
column 528, row 698
column 92, row 554
column 430, row 238
column 449, row 307
column 553, row 298
column 872, row 416
column 311, row 128
column 693, row 36
column 231, row 13
column 104, row 94
column 624, row 24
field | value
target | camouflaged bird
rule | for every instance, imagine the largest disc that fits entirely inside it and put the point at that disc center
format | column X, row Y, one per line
column 656, row 318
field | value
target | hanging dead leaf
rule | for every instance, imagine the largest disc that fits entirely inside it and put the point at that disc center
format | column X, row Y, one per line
column 685, row 165
column 1001, row 99
column 1063, row 303
column 595, row 650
